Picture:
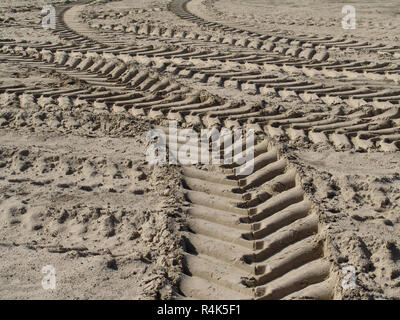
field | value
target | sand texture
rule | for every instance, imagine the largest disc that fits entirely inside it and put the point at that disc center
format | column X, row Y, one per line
column 317, row 218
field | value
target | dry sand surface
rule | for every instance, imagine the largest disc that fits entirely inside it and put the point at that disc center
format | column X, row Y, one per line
column 77, row 192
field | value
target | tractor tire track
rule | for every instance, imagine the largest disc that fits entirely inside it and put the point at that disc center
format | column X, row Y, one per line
column 253, row 82
column 305, row 60
column 252, row 237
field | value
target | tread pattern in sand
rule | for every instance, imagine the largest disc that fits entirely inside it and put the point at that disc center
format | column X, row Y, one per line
column 147, row 93
column 252, row 237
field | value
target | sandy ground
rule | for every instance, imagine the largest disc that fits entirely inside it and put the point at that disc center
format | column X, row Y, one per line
column 77, row 193
column 375, row 21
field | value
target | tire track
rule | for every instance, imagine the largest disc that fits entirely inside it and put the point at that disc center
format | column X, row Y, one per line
column 252, row 237
column 373, row 94
column 363, row 127
column 255, row 236
column 249, row 221
column 305, row 60
column 363, row 138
